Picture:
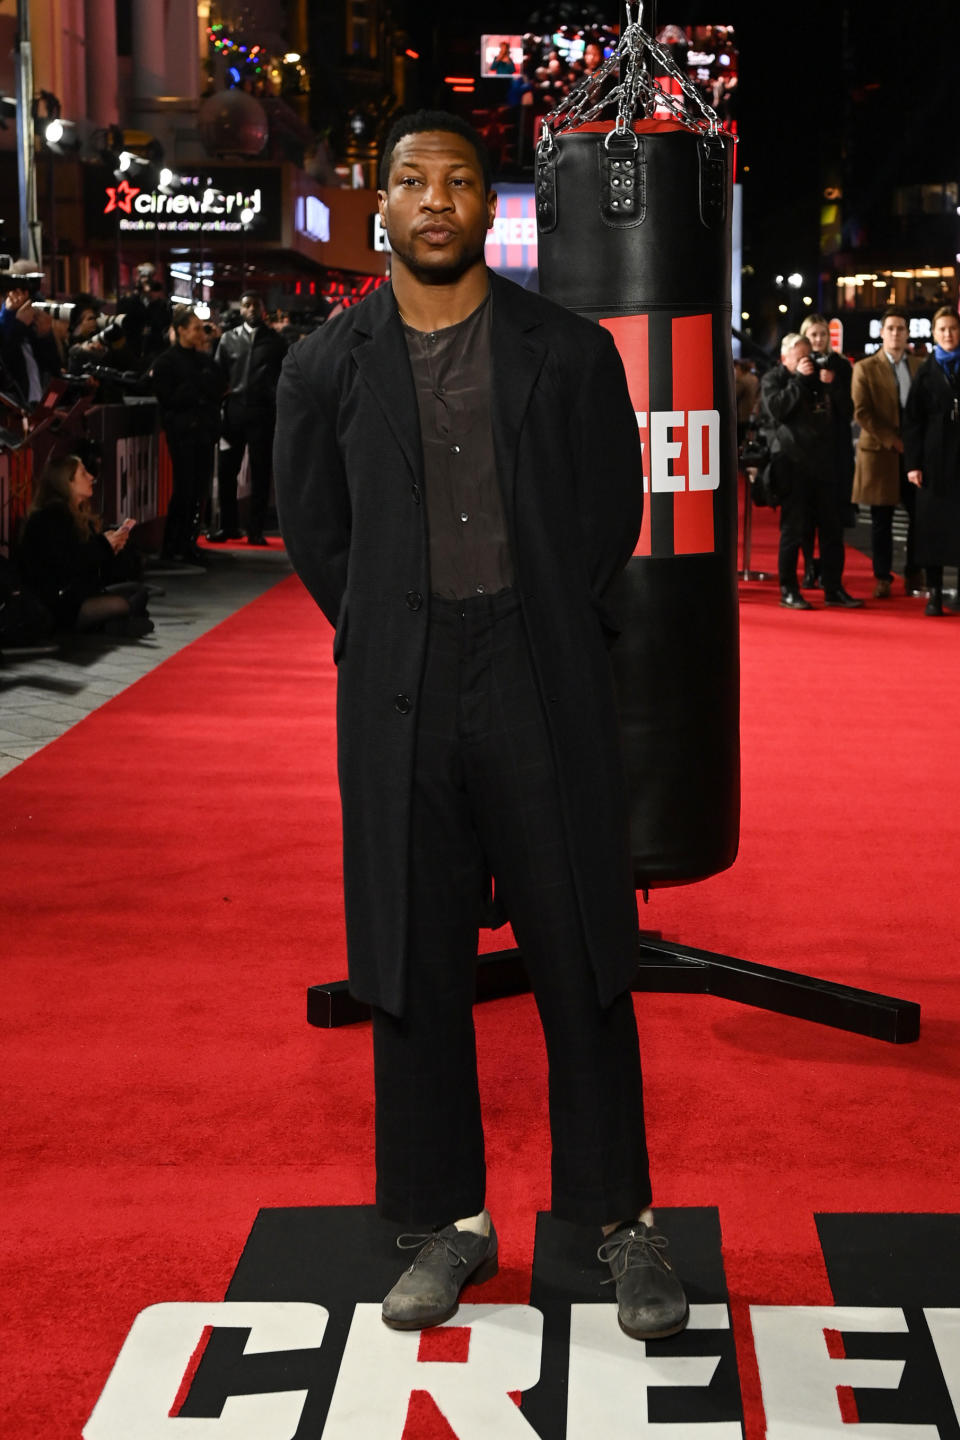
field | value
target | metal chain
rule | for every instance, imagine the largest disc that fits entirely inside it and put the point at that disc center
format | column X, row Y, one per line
column 637, row 91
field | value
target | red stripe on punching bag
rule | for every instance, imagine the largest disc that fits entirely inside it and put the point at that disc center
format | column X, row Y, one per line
column 699, row 458
column 631, row 336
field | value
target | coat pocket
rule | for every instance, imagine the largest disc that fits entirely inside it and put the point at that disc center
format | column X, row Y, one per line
column 340, row 633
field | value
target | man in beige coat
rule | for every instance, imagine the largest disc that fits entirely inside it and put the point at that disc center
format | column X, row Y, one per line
column 881, row 384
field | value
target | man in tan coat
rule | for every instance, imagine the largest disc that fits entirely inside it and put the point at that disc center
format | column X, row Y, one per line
column 881, row 384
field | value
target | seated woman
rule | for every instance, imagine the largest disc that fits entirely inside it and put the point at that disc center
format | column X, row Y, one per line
column 71, row 564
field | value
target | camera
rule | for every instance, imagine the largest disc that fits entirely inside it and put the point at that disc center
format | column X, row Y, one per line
column 110, row 328
column 55, row 309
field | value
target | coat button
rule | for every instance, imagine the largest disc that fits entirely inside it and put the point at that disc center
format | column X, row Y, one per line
column 414, row 599
column 401, row 703
column 415, row 492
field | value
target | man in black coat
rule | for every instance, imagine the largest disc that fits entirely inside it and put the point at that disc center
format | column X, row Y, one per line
column 798, row 421
column 250, row 357
column 444, row 497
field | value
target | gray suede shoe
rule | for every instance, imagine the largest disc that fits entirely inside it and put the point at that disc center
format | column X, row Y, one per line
column 429, row 1291
column 650, row 1301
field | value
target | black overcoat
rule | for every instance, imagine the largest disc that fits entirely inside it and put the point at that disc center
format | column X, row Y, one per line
column 931, row 443
column 349, row 480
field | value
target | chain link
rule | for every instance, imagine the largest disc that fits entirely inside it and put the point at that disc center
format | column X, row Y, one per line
column 637, row 92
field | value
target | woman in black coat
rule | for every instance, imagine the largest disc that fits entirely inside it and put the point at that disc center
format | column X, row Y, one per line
column 931, row 441
column 71, row 564
column 189, row 386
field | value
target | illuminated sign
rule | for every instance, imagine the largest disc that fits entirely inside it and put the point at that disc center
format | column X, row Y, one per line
column 511, row 244
column 313, row 218
column 217, row 203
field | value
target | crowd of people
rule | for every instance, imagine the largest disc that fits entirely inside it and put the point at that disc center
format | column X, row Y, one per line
column 882, row 432
column 215, row 383
column 906, row 411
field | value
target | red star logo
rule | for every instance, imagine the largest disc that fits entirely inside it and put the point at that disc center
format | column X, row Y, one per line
column 120, row 197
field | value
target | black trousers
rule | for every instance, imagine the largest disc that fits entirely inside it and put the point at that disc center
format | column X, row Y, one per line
column 192, row 464
column 241, row 435
column 881, row 526
column 810, row 501
column 485, row 794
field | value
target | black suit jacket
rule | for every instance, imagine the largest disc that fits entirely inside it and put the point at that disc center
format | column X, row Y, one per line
column 349, row 479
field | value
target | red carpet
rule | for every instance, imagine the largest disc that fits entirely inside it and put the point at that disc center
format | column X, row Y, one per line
column 273, row 542
column 171, row 886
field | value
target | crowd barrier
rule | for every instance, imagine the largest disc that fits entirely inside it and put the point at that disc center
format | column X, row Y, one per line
column 129, row 453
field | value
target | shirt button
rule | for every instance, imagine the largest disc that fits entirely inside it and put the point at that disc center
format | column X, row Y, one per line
column 401, row 703
column 454, row 449
column 415, row 492
column 464, row 516
column 441, row 389
column 414, row 599
column 480, row 590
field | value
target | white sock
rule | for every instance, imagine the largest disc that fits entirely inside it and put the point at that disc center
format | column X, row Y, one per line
column 645, row 1217
column 478, row 1224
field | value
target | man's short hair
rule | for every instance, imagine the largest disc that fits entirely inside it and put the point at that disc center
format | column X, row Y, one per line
column 422, row 121
column 182, row 315
column 788, row 341
column 809, row 320
column 893, row 313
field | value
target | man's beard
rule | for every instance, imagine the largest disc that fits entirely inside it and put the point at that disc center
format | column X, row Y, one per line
column 446, row 272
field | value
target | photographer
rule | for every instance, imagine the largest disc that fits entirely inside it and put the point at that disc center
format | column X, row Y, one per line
column 189, row 386
column 799, row 428
column 85, row 346
column 28, row 350
column 147, row 318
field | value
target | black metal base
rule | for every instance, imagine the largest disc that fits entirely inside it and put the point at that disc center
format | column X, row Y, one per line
column 668, row 968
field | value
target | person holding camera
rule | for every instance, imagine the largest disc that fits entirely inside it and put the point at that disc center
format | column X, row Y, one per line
column 85, row 346
column 250, row 357
column 798, row 423
column 28, row 350
column 189, row 385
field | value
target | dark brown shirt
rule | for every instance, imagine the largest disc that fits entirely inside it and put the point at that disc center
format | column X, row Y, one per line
column 469, row 544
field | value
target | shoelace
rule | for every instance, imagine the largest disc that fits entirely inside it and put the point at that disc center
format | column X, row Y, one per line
column 632, row 1251
column 429, row 1243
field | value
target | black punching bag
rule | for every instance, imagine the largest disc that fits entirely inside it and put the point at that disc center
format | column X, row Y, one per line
column 634, row 226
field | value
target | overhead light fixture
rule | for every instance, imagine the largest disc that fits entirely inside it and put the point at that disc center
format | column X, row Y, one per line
column 292, row 57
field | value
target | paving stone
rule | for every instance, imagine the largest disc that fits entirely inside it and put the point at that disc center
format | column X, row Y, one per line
column 53, row 692
column 29, row 727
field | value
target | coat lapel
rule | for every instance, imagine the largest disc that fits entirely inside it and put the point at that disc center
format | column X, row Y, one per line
column 516, row 361
column 384, row 363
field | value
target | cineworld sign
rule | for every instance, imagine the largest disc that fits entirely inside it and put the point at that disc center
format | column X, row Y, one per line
column 218, row 202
